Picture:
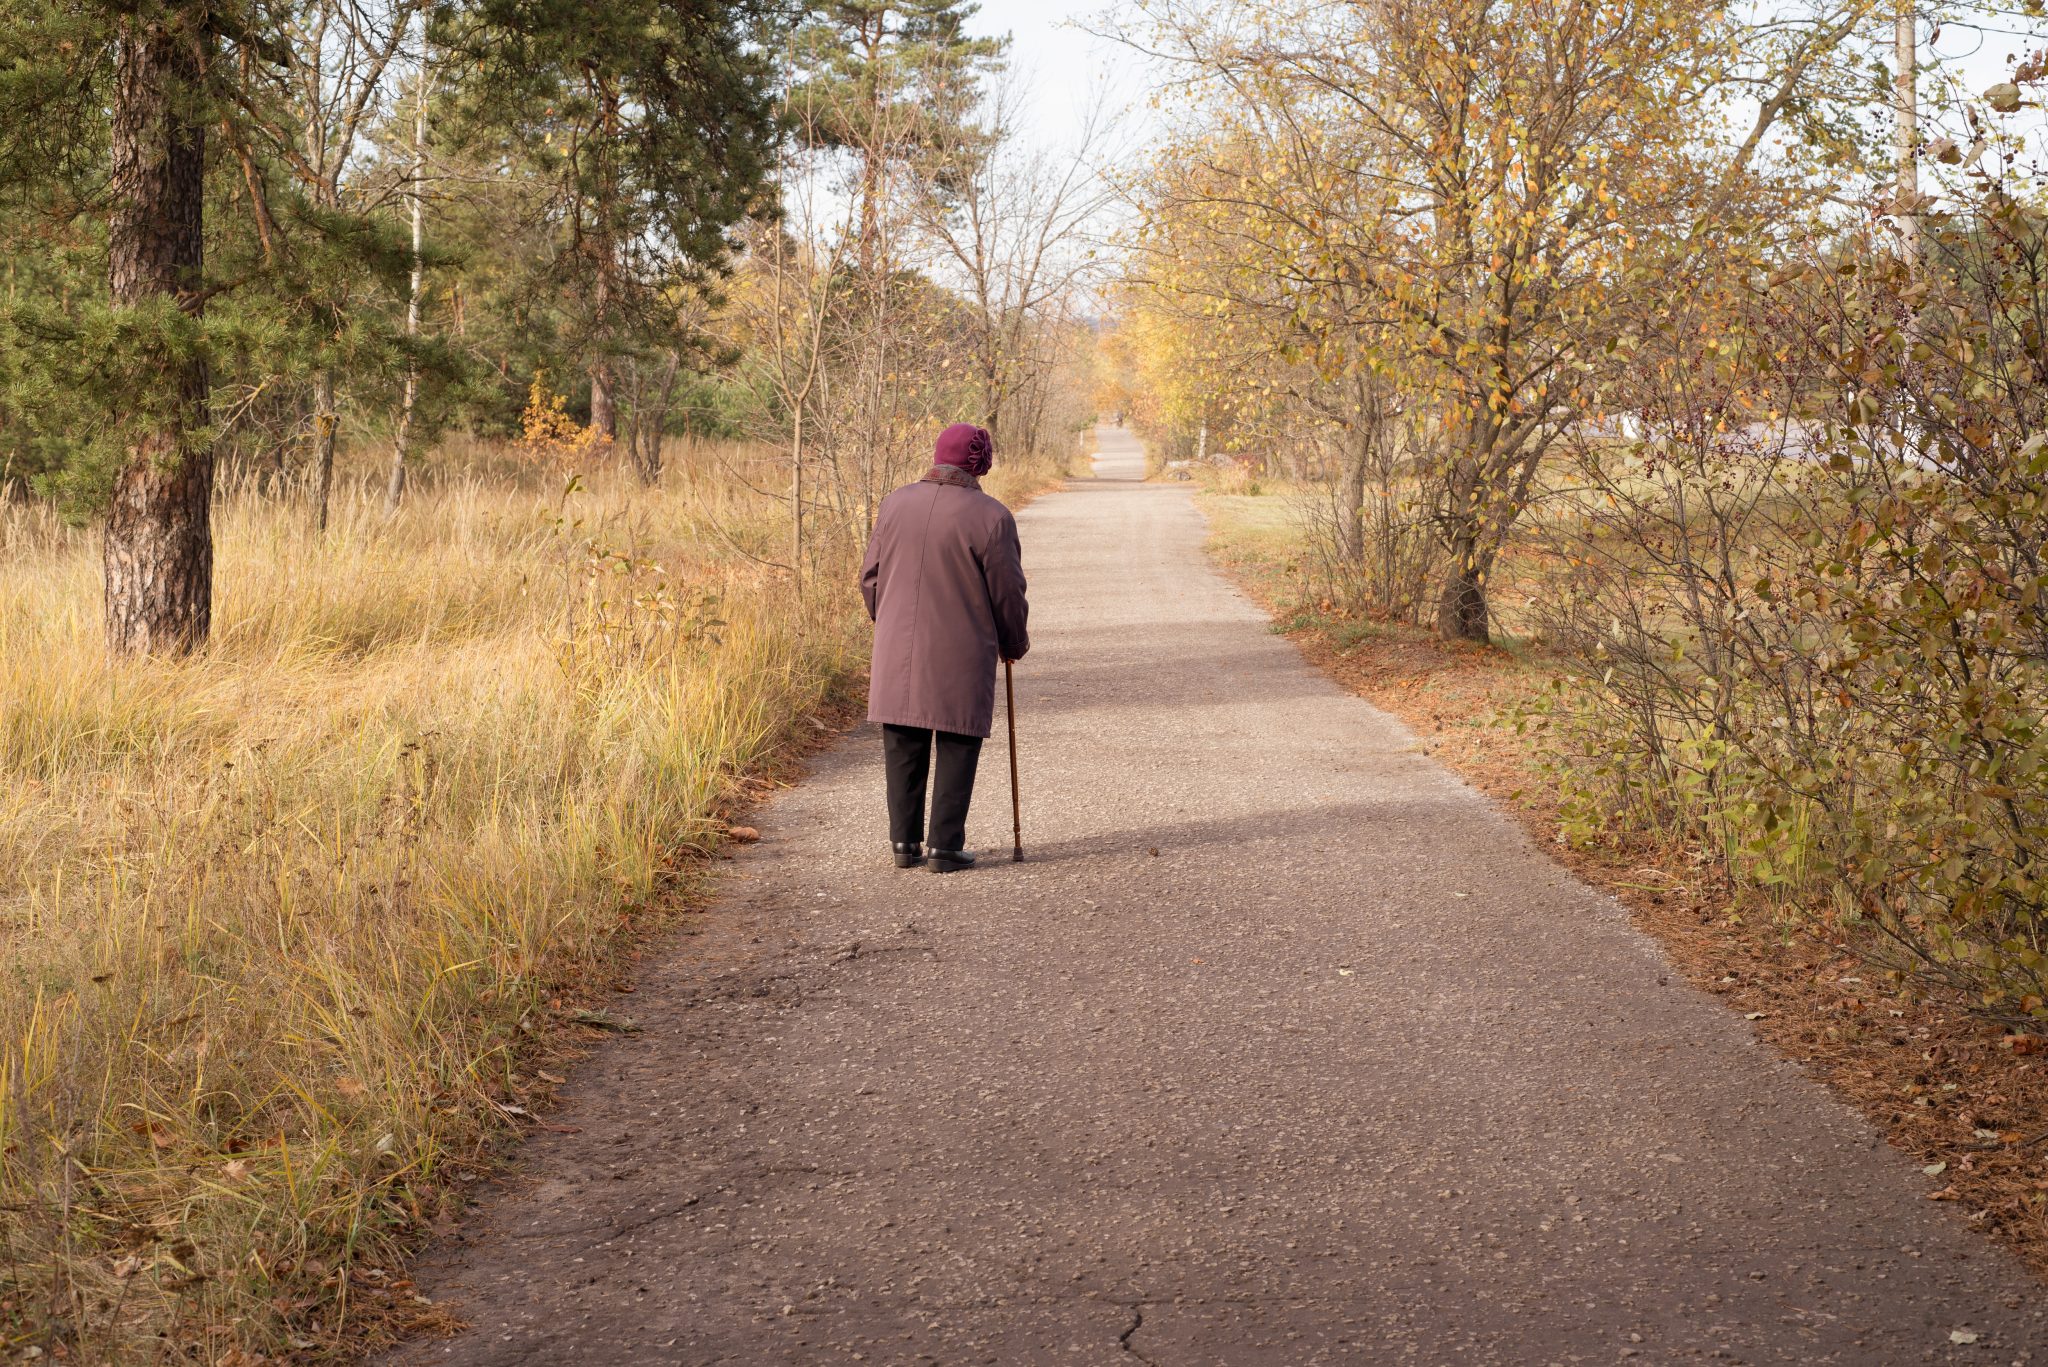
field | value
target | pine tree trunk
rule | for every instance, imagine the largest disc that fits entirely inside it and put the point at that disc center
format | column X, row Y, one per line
column 604, row 407
column 324, row 425
column 158, row 552
column 394, row 481
column 650, row 430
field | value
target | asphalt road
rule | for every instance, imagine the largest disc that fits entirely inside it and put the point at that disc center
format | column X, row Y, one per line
column 1282, row 1047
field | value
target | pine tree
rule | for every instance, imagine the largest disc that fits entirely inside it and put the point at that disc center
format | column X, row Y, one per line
column 653, row 118
column 104, row 117
column 159, row 538
column 185, row 221
column 891, row 79
column 148, row 136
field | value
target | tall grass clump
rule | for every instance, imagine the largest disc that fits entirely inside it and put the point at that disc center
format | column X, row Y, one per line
column 281, row 918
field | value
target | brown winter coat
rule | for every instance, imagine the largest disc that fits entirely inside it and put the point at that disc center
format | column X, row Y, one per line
column 944, row 583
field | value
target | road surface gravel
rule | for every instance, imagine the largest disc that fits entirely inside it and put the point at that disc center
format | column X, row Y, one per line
column 1282, row 1047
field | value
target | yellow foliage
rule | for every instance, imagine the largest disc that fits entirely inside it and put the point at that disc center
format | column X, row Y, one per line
column 548, row 433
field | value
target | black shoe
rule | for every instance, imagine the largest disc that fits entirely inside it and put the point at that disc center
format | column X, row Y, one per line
column 908, row 856
column 951, row 861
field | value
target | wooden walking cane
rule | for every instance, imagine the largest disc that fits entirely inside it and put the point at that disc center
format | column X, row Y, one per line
column 1016, row 807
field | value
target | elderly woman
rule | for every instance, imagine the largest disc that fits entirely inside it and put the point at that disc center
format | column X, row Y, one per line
column 944, row 583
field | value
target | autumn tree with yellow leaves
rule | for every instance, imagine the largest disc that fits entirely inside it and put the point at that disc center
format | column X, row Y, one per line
column 1754, row 323
column 1452, row 195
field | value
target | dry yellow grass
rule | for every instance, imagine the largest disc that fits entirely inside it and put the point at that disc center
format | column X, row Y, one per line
column 280, row 918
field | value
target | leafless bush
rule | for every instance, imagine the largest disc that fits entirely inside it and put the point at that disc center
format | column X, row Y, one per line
column 1376, row 547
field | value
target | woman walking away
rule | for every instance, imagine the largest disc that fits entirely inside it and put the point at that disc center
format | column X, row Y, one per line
column 944, row 583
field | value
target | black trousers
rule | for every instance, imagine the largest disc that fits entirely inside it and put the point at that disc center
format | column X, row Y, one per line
column 907, row 753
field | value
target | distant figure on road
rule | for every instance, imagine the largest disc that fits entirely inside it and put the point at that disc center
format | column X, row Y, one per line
column 944, row 584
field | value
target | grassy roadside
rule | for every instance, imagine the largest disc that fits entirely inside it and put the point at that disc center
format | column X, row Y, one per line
column 1970, row 1106
column 297, row 929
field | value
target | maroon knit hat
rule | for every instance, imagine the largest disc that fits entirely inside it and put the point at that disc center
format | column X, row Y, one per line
column 966, row 446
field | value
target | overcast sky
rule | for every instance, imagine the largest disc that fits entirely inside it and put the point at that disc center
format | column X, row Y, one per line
column 1064, row 66
column 1060, row 65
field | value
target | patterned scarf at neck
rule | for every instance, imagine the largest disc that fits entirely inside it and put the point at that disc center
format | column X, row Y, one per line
column 950, row 474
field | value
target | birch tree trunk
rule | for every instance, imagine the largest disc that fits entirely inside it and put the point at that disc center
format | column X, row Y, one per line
column 1906, row 131
column 394, row 488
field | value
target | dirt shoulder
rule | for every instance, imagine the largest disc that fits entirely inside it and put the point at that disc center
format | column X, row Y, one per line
column 1968, row 1102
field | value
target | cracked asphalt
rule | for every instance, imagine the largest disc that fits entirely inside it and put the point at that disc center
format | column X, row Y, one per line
column 1283, row 1046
